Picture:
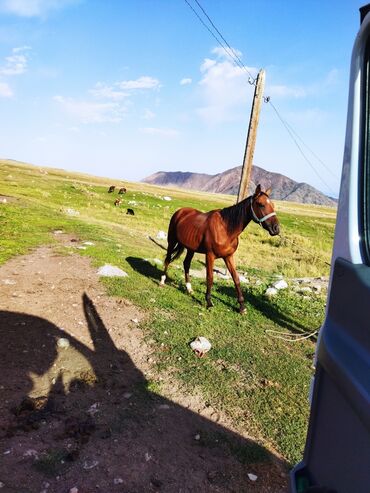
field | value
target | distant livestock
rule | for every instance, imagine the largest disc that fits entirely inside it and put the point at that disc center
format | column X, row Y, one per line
column 122, row 190
column 130, row 212
column 117, row 202
column 111, row 189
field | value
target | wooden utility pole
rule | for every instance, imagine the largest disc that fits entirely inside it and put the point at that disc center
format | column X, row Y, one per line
column 251, row 136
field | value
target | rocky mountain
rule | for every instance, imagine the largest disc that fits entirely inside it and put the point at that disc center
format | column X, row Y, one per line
column 283, row 188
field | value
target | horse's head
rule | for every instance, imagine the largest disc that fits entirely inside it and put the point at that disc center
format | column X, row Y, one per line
column 263, row 212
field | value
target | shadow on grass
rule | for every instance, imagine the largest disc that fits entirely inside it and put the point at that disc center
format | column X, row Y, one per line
column 107, row 412
column 269, row 310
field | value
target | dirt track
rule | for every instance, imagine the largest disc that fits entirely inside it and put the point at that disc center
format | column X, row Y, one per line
column 81, row 416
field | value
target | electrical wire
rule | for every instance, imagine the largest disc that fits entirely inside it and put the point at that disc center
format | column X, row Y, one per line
column 236, row 59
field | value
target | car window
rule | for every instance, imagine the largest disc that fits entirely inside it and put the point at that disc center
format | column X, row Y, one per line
column 364, row 169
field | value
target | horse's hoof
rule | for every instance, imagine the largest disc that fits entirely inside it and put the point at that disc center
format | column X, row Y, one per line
column 161, row 284
column 242, row 311
column 210, row 305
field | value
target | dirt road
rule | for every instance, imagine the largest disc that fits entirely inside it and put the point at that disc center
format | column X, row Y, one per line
column 76, row 414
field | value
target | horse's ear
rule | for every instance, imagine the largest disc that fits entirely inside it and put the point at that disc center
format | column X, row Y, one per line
column 258, row 190
column 268, row 191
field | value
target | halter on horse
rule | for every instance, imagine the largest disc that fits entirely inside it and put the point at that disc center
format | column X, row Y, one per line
column 216, row 234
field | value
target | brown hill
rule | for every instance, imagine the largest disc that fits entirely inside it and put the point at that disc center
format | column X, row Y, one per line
column 283, row 188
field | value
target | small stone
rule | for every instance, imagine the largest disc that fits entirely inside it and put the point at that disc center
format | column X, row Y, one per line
column 63, row 343
column 197, row 437
column 111, row 271
column 252, row 477
column 271, row 292
column 88, row 243
column 117, row 481
column 164, row 406
column 243, row 279
column 73, row 490
column 127, row 395
column 31, row 453
column 168, row 199
column 304, row 290
column 87, row 465
column 9, row 282
column 2, row 484
column 135, row 320
column 161, row 235
column 281, row 284
column 147, row 457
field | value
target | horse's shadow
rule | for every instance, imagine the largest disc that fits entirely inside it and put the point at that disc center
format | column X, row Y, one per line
column 264, row 306
column 106, row 415
column 146, row 269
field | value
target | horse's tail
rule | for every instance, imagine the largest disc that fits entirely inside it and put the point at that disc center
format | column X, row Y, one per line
column 175, row 248
column 176, row 252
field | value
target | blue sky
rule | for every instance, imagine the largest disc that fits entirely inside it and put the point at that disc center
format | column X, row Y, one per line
column 127, row 88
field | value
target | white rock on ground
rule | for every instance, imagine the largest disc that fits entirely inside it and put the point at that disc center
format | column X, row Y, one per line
column 200, row 346
column 161, row 235
column 304, row 290
column 71, row 212
column 252, row 477
column 271, row 292
column 167, row 198
column 63, row 343
column 281, row 284
column 108, row 270
column 243, row 279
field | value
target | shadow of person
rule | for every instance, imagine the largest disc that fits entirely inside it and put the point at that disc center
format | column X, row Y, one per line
column 106, row 427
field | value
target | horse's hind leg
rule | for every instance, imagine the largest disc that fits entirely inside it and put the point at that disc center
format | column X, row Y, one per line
column 187, row 262
column 167, row 261
column 229, row 261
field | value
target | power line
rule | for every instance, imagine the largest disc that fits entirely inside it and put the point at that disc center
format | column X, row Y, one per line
column 224, row 40
column 230, row 53
column 286, row 126
column 234, row 56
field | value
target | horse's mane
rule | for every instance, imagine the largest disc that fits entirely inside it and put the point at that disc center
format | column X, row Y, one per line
column 236, row 215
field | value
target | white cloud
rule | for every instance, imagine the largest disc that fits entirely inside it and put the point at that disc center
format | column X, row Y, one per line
column 5, row 90
column 186, row 81
column 16, row 63
column 227, row 53
column 161, row 132
column 224, row 89
column 103, row 91
column 91, row 112
column 33, row 8
column 144, row 82
column 21, row 48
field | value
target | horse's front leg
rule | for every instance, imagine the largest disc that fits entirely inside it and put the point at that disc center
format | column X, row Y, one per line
column 210, row 260
column 187, row 262
column 229, row 261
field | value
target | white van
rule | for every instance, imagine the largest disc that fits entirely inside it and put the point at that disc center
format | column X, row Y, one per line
column 337, row 453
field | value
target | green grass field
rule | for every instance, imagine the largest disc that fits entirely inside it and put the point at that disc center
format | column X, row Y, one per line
column 259, row 381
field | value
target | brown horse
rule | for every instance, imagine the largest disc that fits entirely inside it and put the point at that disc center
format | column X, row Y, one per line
column 216, row 234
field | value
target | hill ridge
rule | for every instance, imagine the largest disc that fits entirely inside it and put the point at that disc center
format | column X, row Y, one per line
column 227, row 182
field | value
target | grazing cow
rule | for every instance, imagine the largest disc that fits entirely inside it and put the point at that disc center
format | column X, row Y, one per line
column 130, row 212
column 122, row 190
column 117, row 202
column 111, row 189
